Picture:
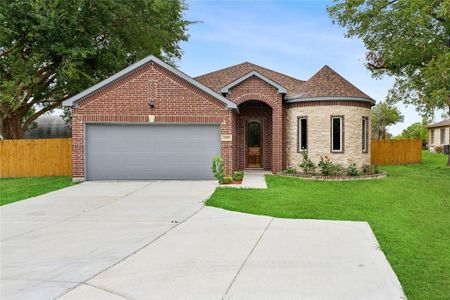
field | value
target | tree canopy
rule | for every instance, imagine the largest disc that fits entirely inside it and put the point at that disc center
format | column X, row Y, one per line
column 416, row 131
column 51, row 49
column 384, row 115
column 408, row 39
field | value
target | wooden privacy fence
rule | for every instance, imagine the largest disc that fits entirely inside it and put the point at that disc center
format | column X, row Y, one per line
column 396, row 152
column 39, row 157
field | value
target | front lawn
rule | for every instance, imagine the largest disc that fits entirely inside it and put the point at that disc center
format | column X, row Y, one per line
column 15, row 189
column 409, row 211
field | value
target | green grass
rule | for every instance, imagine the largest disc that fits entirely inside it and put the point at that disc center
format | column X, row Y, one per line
column 409, row 212
column 15, row 189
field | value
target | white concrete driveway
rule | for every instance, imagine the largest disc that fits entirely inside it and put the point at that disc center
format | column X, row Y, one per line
column 155, row 240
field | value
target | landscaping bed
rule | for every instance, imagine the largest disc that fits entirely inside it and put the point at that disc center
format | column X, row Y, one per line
column 333, row 178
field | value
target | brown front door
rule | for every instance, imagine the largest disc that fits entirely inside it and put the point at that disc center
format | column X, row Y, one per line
column 253, row 145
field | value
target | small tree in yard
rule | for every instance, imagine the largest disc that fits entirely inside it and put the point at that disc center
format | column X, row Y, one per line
column 218, row 168
column 384, row 115
column 51, row 50
column 407, row 39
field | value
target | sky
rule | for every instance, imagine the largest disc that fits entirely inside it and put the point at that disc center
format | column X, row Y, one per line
column 293, row 37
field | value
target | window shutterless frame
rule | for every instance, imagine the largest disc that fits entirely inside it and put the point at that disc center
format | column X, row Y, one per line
column 302, row 133
column 365, row 134
column 337, row 134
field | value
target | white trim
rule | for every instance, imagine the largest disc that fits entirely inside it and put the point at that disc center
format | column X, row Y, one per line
column 119, row 75
column 365, row 137
column 300, row 133
column 227, row 88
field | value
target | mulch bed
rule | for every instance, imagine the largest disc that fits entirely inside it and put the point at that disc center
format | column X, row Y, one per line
column 335, row 178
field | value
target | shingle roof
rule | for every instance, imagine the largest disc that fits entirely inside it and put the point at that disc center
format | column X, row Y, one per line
column 443, row 123
column 218, row 79
column 325, row 83
column 328, row 83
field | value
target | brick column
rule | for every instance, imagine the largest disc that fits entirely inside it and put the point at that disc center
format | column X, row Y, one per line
column 277, row 138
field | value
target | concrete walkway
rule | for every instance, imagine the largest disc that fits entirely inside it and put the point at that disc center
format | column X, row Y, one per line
column 156, row 240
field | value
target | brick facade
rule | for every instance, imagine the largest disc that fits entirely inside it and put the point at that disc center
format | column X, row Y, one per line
column 254, row 90
column 126, row 101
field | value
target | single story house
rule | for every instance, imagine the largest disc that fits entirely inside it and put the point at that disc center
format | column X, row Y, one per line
column 152, row 121
column 439, row 134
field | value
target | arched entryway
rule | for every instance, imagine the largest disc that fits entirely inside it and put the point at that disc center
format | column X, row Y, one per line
column 254, row 135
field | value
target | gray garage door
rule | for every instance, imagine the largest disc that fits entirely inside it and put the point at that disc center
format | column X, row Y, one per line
column 150, row 151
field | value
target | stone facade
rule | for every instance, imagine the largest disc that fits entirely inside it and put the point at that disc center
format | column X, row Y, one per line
column 319, row 132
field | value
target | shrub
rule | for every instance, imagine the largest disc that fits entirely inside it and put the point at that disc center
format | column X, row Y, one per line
column 352, row 170
column 328, row 168
column 307, row 165
column 218, row 168
column 227, row 180
column 238, row 175
column 370, row 169
column 290, row 170
column 438, row 149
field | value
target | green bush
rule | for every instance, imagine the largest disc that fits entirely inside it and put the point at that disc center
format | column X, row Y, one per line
column 307, row 164
column 218, row 168
column 328, row 168
column 370, row 169
column 290, row 170
column 238, row 175
column 352, row 170
column 226, row 180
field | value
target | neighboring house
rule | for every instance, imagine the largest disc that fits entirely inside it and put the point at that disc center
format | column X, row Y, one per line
column 439, row 134
column 151, row 121
column 49, row 126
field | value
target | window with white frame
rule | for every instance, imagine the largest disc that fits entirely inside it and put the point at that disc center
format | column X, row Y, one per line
column 337, row 134
column 442, row 136
column 432, row 136
column 365, row 134
column 302, row 127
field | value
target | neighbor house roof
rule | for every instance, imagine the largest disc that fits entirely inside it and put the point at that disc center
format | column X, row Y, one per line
column 324, row 85
column 221, row 78
column 443, row 123
column 121, row 74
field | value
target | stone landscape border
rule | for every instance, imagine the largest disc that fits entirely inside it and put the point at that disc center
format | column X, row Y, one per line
column 333, row 178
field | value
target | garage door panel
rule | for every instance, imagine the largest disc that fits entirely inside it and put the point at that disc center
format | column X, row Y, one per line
column 151, row 151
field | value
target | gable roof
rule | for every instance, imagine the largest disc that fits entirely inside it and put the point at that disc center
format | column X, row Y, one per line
column 280, row 88
column 221, row 78
column 143, row 62
column 327, row 84
column 443, row 123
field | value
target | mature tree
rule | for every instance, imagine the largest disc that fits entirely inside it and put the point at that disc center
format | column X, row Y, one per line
column 416, row 131
column 408, row 39
column 384, row 115
column 51, row 49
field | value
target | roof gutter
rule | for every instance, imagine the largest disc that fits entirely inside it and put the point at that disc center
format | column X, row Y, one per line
column 328, row 98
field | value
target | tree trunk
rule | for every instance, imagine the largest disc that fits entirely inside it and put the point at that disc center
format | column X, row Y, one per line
column 12, row 128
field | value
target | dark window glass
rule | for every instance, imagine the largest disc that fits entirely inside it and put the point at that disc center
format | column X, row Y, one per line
column 337, row 134
column 303, row 134
column 442, row 136
column 254, row 138
column 364, row 134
